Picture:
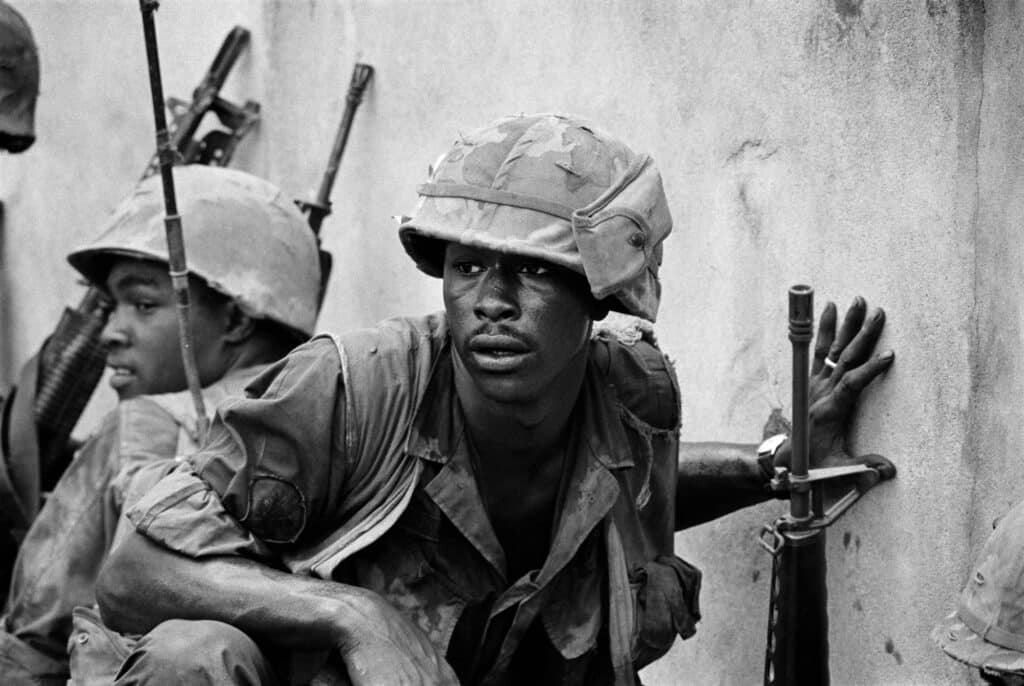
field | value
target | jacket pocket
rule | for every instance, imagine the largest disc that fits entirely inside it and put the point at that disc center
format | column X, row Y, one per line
column 666, row 601
column 96, row 652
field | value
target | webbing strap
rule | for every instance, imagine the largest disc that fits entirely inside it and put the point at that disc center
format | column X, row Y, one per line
column 497, row 197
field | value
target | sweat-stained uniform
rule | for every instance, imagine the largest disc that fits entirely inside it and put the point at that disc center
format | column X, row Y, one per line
column 349, row 461
column 61, row 556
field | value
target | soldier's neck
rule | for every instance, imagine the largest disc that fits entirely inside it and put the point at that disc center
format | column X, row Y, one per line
column 517, row 434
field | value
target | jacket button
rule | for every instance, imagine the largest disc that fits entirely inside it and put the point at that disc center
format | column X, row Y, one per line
column 637, row 240
column 82, row 638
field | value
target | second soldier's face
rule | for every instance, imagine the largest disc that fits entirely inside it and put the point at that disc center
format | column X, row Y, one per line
column 517, row 324
column 141, row 336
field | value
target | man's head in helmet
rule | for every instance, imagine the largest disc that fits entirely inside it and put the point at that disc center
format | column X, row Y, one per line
column 253, row 274
column 538, row 225
column 19, row 81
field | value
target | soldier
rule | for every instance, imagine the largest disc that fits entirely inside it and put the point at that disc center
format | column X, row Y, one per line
column 987, row 629
column 254, row 279
column 480, row 496
column 19, row 81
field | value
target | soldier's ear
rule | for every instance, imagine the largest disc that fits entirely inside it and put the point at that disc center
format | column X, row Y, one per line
column 239, row 326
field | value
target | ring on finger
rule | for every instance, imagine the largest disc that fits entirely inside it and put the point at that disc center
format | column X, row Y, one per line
column 829, row 363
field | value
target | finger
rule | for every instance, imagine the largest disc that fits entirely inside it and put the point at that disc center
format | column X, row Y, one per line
column 860, row 348
column 851, row 383
column 885, row 468
column 852, row 322
column 826, row 334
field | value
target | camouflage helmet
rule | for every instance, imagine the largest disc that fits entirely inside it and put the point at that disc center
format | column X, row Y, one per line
column 555, row 188
column 19, row 81
column 987, row 629
column 243, row 236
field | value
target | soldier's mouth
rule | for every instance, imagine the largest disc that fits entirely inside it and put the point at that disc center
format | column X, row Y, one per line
column 121, row 377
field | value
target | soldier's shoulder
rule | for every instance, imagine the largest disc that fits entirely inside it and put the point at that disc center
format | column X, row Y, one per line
column 642, row 376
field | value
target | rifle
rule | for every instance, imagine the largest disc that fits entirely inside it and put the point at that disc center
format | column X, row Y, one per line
column 218, row 145
column 797, row 643
column 317, row 209
column 56, row 384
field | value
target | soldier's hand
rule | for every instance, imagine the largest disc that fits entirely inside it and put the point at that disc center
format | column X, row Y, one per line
column 381, row 647
column 844, row 364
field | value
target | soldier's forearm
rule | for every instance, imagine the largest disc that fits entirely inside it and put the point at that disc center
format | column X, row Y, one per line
column 716, row 479
column 144, row 584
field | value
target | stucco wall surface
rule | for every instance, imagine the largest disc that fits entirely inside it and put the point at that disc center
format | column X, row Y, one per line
column 862, row 146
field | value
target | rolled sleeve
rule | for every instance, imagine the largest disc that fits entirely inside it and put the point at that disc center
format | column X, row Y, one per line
column 270, row 465
column 184, row 514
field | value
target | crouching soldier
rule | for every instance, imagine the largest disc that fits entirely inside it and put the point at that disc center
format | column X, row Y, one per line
column 254, row 279
column 480, row 496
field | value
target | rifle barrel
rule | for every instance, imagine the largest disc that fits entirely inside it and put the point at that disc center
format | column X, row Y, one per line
column 320, row 207
column 801, row 322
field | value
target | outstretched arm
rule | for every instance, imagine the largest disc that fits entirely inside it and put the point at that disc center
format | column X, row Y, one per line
column 718, row 478
column 144, row 584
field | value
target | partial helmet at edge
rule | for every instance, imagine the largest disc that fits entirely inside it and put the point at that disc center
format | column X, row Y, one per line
column 243, row 236
column 555, row 188
column 19, row 81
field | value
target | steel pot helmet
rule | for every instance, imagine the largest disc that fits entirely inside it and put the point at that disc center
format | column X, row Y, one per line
column 243, row 236
column 555, row 188
column 19, row 81
column 987, row 629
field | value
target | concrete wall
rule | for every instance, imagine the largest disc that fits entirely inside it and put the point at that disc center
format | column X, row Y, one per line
column 862, row 146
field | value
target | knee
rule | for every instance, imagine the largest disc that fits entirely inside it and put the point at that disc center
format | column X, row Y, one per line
column 185, row 641
column 194, row 652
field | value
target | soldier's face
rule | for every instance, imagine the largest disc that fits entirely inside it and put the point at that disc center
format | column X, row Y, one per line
column 517, row 324
column 141, row 336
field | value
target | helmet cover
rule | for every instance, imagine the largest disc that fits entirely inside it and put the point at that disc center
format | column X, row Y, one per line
column 987, row 629
column 555, row 188
column 243, row 236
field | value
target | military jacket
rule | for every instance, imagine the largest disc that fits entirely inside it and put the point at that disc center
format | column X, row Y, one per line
column 348, row 461
column 60, row 559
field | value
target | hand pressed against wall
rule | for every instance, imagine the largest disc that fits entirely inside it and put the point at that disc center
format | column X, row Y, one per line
column 844, row 364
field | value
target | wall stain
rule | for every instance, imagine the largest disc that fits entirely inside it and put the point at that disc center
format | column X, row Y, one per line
column 936, row 8
column 756, row 576
column 848, row 9
column 776, row 424
column 857, row 605
column 751, row 216
column 972, row 20
column 753, row 148
column 890, row 648
column 847, row 536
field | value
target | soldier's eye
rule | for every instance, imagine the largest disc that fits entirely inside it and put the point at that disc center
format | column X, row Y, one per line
column 534, row 268
column 467, row 267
